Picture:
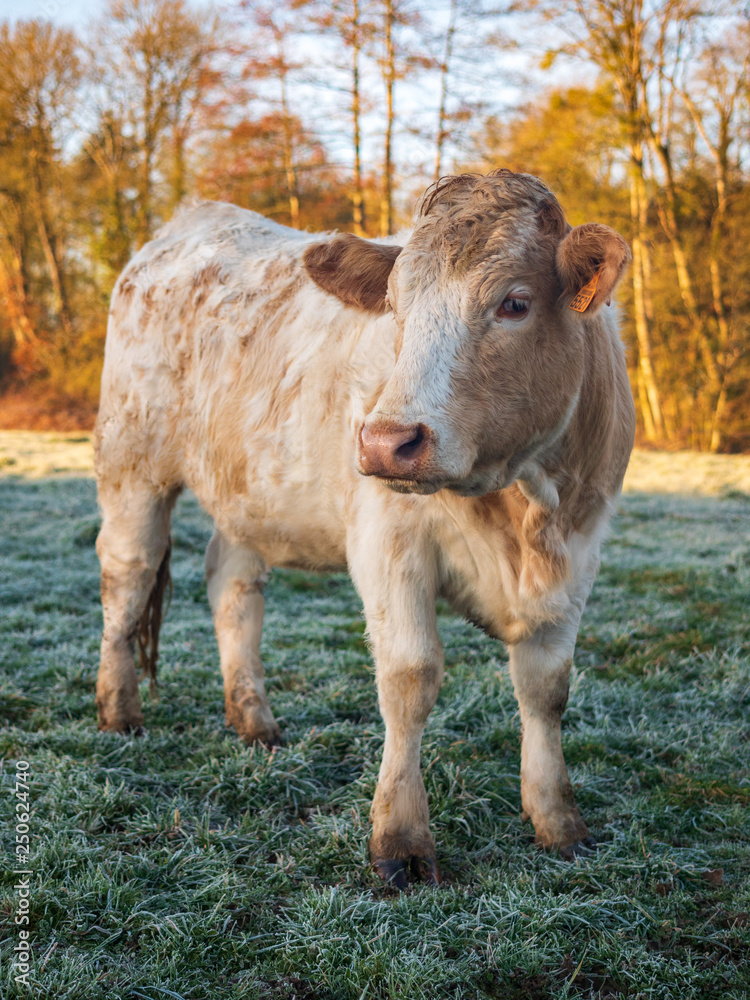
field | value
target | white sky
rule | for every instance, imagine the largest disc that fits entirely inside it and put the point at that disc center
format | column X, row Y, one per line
column 73, row 13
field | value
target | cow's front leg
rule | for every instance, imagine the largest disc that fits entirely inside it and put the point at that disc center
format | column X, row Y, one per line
column 235, row 577
column 540, row 668
column 399, row 599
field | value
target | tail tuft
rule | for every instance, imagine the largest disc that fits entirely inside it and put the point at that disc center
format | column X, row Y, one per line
column 150, row 625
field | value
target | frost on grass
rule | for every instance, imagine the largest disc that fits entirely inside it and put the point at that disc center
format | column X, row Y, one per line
column 188, row 865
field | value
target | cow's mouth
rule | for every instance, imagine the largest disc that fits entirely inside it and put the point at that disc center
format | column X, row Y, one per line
column 411, row 485
column 480, row 482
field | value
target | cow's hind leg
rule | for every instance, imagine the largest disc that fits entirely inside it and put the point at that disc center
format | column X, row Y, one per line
column 235, row 576
column 540, row 668
column 398, row 592
column 133, row 548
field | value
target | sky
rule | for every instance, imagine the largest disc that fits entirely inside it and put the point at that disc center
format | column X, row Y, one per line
column 67, row 12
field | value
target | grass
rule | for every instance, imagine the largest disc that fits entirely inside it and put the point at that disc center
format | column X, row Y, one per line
column 187, row 865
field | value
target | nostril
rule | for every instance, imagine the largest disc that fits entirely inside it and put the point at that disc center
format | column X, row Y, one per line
column 408, row 448
column 394, row 451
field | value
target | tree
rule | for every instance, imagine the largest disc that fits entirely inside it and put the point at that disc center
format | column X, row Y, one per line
column 399, row 55
column 244, row 164
column 714, row 97
column 463, row 49
column 269, row 57
column 38, row 86
column 158, row 65
column 612, row 34
column 349, row 24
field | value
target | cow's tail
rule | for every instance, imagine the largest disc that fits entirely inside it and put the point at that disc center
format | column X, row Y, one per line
column 150, row 624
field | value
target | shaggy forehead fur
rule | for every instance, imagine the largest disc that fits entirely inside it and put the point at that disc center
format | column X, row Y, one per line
column 468, row 218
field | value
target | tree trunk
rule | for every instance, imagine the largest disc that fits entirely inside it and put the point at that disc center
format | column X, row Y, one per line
column 16, row 306
column 145, row 213
column 389, row 72
column 289, row 168
column 49, row 247
column 671, row 224
column 444, row 77
column 649, row 398
column 358, row 197
column 717, row 284
column 179, row 186
column 719, row 151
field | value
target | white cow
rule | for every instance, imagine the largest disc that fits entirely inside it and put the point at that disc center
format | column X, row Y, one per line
column 448, row 418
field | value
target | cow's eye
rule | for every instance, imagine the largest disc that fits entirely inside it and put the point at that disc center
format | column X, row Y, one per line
column 513, row 307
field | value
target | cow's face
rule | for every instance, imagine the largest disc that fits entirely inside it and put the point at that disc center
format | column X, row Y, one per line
column 490, row 354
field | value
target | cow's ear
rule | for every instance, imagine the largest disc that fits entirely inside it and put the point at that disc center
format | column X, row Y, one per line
column 354, row 270
column 591, row 259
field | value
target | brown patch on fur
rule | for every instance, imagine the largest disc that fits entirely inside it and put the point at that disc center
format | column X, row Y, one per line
column 210, row 274
column 150, row 623
column 279, row 270
column 147, row 303
column 586, row 250
column 534, row 538
column 544, row 554
column 356, row 271
column 126, row 287
column 271, row 314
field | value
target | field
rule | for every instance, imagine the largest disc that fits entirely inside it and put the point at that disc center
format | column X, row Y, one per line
column 186, row 865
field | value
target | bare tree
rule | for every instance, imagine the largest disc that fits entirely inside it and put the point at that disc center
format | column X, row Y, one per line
column 270, row 57
column 349, row 24
column 713, row 97
column 469, row 41
column 158, row 54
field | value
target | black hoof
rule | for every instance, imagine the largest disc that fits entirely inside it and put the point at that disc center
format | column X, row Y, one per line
column 581, row 849
column 138, row 731
column 426, row 870
column 393, row 872
column 275, row 743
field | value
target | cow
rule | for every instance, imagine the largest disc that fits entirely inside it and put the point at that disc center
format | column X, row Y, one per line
column 446, row 415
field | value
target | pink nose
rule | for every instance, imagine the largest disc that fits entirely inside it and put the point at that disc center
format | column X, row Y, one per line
column 395, row 451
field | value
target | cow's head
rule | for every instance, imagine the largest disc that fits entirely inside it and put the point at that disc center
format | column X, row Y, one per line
column 489, row 353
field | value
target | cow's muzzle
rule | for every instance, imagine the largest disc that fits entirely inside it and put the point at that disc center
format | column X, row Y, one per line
column 391, row 450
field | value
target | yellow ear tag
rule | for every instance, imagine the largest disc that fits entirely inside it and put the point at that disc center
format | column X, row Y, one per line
column 582, row 299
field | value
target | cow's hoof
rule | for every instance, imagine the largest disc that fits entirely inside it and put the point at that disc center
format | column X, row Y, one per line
column 253, row 722
column 272, row 740
column 267, row 736
column 395, row 872
column 125, row 730
column 129, row 726
column 580, row 849
column 426, row 870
